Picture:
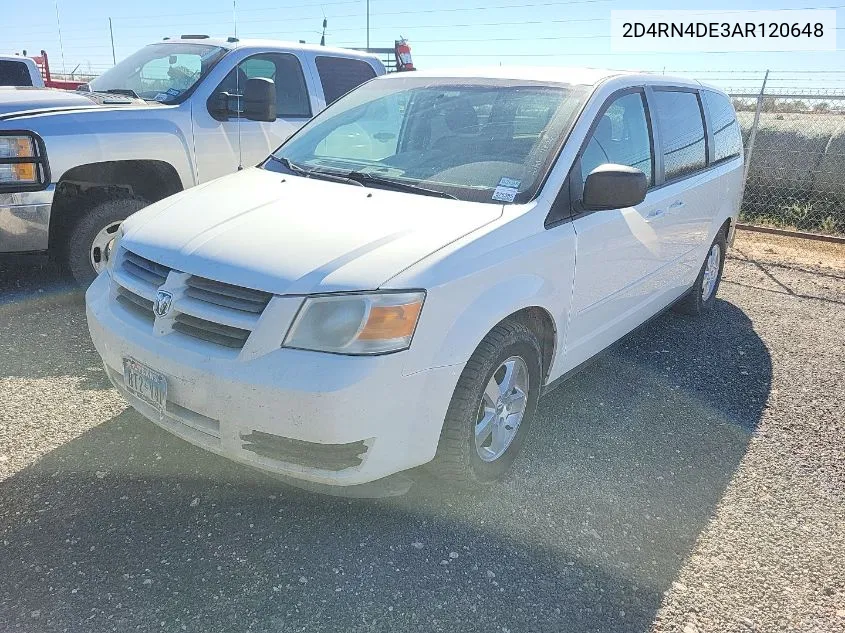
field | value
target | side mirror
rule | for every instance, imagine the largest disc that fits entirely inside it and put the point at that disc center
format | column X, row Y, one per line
column 613, row 186
column 218, row 106
column 260, row 99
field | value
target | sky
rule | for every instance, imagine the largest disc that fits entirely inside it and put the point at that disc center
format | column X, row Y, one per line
column 441, row 32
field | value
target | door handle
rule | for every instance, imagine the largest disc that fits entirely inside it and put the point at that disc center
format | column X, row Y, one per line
column 678, row 204
column 654, row 214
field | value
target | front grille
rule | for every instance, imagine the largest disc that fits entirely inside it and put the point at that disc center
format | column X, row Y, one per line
column 135, row 303
column 227, row 295
column 145, row 269
column 210, row 331
column 212, row 311
column 324, row 456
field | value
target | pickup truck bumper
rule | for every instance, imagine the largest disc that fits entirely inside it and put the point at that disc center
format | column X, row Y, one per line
column 25, row 220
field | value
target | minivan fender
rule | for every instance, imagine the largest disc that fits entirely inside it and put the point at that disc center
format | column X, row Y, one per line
column 467, row 328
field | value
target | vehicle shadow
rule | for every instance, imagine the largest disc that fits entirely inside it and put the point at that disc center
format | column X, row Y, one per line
column 128, row 527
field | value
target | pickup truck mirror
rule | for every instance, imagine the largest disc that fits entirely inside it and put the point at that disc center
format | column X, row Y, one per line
column 614, row 186
column 258, row 102
column 260, row 99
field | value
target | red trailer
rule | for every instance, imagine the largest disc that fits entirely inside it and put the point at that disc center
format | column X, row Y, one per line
column 44, row 67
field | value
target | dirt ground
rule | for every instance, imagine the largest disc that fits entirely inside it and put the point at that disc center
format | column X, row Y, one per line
column 777, row 249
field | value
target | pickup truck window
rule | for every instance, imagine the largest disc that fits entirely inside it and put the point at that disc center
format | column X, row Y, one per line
column 14, row 74
column 339, row 75
column 284, row 69
column 485, row 140
column 165, row 72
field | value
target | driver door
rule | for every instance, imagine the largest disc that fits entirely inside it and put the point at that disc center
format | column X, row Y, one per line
column 222, row 146
column 620, row 256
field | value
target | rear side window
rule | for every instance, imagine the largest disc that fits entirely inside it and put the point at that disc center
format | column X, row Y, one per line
column 681, row 132
column 284, row 69
column 621, row 136
column 339, row 75
column 727, row 139
column 14, row 74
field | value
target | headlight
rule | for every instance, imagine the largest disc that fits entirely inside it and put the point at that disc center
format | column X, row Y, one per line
column 357, row 323
column 110, row 251
column 23, row 165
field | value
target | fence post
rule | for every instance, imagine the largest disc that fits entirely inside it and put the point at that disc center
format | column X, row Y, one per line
column 753, row 136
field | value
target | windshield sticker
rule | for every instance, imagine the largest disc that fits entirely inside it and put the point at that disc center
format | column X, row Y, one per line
column 174, row 92
column 506, row 190
column 161, row 96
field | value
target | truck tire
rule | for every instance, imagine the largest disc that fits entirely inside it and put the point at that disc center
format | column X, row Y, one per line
column 88, row 237
column 466, row 455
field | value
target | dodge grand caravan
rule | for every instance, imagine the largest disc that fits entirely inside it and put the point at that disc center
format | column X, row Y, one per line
column 404, row 277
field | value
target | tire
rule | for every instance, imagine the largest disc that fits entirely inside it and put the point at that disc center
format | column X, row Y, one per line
column 695, row 303
column 80, row 239
column 458, row 460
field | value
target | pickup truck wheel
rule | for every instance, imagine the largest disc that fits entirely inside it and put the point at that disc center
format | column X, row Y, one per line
column 90, row 235
column 492, row 407
column 702, row 295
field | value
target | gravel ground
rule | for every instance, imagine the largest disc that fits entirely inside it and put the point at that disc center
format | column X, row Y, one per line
column 693, row 480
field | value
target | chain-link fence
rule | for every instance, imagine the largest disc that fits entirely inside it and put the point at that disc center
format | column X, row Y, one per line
column 796, row 171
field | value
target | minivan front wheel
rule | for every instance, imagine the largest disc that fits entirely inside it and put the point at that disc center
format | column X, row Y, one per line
column 702, row 295
column 492, row 407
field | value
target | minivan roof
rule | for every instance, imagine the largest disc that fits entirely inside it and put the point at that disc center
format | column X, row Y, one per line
column 555, row 74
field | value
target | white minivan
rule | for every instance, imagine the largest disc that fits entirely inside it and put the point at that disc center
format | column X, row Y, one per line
column 400, row 281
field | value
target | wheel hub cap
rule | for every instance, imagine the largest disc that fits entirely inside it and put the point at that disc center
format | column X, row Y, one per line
column 98, row 246
column 501, row 409
column 711, row 272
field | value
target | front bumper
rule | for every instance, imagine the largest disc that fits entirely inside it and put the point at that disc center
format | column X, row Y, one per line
column 324, row 418
column 25, row 220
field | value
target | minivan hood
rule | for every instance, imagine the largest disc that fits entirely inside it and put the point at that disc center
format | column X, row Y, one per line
column 293, row 235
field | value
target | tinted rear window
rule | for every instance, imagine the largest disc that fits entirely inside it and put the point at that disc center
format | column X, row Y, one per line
column 14, row 74
column 727, row 139
column 339, row 75
column 681, row 132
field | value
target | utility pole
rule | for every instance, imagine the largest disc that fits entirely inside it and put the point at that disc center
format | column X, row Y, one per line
column 368, row 23
column 111, row 33
column 61, row 44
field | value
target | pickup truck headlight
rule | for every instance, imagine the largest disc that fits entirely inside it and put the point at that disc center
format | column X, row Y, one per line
column 358, row 324
column 23, row 165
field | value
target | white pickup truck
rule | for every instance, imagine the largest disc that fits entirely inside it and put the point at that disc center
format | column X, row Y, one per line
column 16, row 70
column 173, row 115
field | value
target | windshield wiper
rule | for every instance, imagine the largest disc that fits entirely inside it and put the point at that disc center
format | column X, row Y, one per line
column 313, row 173
column 397, row 185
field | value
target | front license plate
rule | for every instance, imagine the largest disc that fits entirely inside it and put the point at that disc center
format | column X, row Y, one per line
column 145, row 383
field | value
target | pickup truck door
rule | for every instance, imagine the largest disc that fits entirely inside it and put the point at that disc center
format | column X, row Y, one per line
column 620, row 260
column 222, row 146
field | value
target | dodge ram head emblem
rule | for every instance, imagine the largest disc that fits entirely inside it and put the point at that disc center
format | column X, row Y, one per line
column 162, row 303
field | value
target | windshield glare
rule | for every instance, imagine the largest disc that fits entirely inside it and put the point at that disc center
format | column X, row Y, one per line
column 160, row 72
column 476, row 139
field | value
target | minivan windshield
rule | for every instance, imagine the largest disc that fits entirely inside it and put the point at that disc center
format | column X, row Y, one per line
column 159, row 72
column 483, row 140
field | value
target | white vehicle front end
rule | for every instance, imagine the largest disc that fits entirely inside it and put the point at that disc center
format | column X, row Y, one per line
column 220, row 367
